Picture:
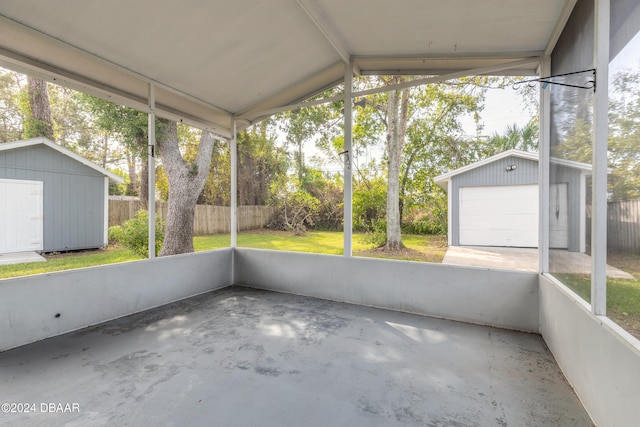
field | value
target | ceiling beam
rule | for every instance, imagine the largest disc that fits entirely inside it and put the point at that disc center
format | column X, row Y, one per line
column 326, row 28
column 434, row 79
column 560, row 24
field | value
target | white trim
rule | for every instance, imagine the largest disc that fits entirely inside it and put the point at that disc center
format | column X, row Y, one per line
column 151, row 145
column 348, row 135
column 544, row 171
column 449, row 214
column 583, row 213
column 326, row 28
column 560, row 24
column 42, row 140
column 233, row 148
column 600, row 136
column 105, row 238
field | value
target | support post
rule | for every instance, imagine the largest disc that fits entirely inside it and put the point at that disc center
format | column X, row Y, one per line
column 152, row 171
column 347, row 155
column 600, row 137
column 543, row 169
column 233, row 148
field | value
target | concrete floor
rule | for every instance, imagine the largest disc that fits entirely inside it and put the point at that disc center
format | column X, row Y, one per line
column 242, row 357
column 525, row 259
column 20, row 257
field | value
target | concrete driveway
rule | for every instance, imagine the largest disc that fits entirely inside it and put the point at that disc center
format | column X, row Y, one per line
column 524, row 259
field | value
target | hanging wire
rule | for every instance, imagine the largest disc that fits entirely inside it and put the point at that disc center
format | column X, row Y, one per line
column 590, row 84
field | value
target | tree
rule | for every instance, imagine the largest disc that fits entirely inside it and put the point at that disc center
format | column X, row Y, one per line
column 128, row 126
column 186, row 181
column 422, row 132
column 38, row 121
column 397, row 116
column 11, row 117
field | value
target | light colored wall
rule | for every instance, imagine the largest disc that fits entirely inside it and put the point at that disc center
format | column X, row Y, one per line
column 28, row 305
column 599, row 359
column 505, row 299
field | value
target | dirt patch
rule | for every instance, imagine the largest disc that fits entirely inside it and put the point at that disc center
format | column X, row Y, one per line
column 401, row 254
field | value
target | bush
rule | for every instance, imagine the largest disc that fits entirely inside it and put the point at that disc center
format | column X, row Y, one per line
column 134, row 234
column 295, row 213
column 433, row 221
column 377, row 235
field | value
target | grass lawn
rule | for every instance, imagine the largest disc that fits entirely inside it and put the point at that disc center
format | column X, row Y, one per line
column 420, row 248
column 68, row 261
column 623, row 295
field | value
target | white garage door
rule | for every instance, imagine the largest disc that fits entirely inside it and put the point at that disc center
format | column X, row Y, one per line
column 508, row 216
column 20, row 216
column 499, row 216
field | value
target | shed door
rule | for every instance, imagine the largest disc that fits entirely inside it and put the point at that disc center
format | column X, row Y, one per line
column 20, row 216
column 499, row 216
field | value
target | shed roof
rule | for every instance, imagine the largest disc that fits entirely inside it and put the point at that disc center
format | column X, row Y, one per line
column 443, row 179
column 113, row 178
column 212, row 61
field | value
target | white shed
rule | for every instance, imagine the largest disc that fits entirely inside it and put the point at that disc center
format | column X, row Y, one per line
column 495, row 202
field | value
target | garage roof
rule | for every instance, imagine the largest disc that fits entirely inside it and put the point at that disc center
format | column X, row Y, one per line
column 211, row 61
column 113, row 178
column 442, row 180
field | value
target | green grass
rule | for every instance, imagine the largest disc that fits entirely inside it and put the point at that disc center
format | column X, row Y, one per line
column 623, row 295
column 423, row 248
column 68, row 261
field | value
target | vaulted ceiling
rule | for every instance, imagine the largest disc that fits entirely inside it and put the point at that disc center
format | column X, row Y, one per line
column 213, row 60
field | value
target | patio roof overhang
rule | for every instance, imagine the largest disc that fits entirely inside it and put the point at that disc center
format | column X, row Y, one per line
column 213, row 62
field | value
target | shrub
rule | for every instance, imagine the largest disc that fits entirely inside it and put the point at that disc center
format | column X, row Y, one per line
column 295, row 212
column 433, row 221
column 377, row 235
column 134, row 234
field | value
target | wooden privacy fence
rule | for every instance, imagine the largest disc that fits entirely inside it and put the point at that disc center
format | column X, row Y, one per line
column 208, row 219
column 623, row 226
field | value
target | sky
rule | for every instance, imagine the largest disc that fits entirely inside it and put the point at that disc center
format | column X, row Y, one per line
column 503, row 107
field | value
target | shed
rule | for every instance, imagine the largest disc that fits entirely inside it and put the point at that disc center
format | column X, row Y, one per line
column 494, row 202
column 51, row 199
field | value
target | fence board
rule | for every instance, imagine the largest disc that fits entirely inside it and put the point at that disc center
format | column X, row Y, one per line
column 623, row 225
column 207, row 219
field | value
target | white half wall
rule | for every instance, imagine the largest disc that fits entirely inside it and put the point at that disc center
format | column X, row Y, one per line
column 598, row 358
column 42, row 306
column 506, row 299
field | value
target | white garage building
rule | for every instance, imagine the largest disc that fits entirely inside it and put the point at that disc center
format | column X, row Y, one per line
column 494, row 202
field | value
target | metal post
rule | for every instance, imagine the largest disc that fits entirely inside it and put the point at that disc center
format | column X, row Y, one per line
column 152, row 171
column 348, row 189
column 600, row 136
column 543, row 169
column 234, row 185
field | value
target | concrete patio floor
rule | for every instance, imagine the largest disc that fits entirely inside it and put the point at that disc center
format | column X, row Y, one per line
column 242, row 357
column 524, row 259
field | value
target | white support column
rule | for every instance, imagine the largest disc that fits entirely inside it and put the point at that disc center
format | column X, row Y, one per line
column 234, row 184
column 543, row 169
column 152, row 171
column 600, row 137
column 347, row 155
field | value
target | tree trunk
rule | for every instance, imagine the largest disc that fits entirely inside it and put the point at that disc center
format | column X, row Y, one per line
column 144, row 182
column 40, row 123
column 185, row 184
column 397, row 115
column 131, row 165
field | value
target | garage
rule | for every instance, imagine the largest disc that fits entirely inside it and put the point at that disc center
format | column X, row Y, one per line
column 495, row 202
column 51, row 199
column 507, row 215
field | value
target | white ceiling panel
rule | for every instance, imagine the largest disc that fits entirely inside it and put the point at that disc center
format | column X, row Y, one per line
column 213, row 59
